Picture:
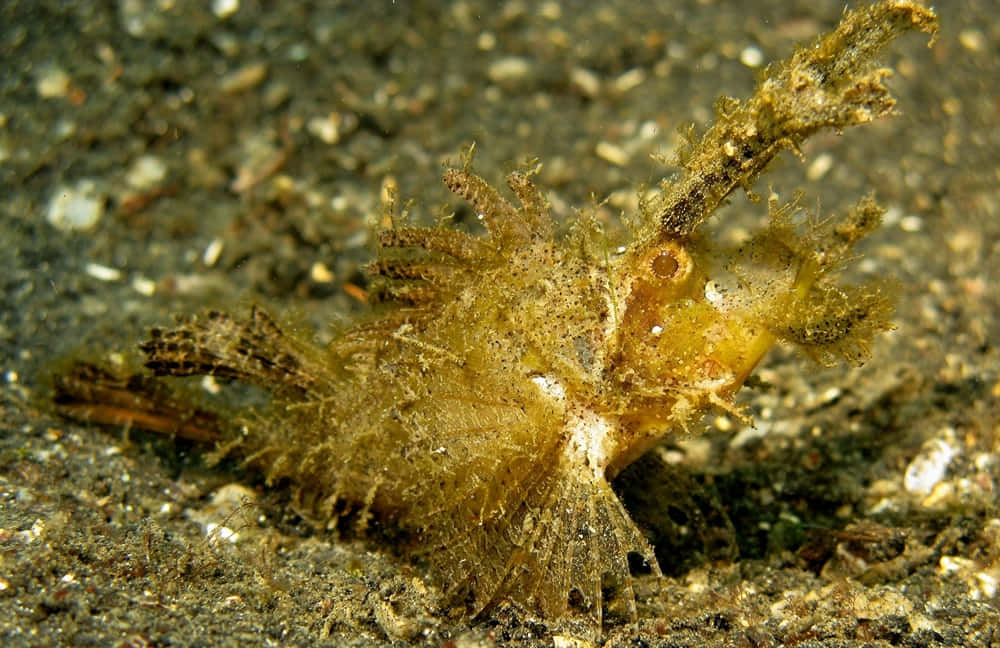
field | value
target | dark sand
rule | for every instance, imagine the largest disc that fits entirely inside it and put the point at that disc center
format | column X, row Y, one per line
column 863, row 503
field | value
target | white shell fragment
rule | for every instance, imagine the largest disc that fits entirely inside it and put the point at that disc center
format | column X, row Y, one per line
column 75, row 208
column 929, row 466
column 146, row 172
column 225, row 8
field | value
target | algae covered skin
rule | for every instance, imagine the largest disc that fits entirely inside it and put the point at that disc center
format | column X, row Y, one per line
column 505, row 379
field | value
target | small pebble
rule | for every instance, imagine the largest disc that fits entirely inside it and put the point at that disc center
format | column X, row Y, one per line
column 225, row 8
column 75, row 208
column 952, row 564
column 751, row 56
column 146, row 172
column 64, row 129
column 320, row 273
column 52, row 82
column 243, row 78
column 585, row 82
column 911, row 224
column 276, row 93
column 142, row 19
column 215, row 532
column 628, row 80
column 212, row 252
column 211, row 385
column 144, row 286
column 972, row 40
column 928, row 467
column 989, row 583
column 232, row 495
column 227, row 43
column 611, row 153
column 550, row 10
column 486, row 41
column 830, row 395
column 509, row 71
column 330, row 128
column 648, row 130
column 103, row 272
column 819, row 167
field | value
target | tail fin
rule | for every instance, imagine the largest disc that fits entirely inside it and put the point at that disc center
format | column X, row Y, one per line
column 255, row 351
column 89, row 393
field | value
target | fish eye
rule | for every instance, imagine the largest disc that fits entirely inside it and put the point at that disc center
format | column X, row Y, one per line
column 669, row 262
column 664, row 265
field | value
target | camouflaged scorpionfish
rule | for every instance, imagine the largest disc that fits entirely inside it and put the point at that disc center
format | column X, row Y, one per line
column 508, row 377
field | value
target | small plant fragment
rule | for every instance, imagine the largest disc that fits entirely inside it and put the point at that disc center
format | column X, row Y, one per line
column 503, row 380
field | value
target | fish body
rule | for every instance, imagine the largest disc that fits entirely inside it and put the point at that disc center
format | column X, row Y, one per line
column 508, row 379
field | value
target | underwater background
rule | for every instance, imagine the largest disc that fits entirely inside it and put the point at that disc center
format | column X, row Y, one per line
column 162, row 157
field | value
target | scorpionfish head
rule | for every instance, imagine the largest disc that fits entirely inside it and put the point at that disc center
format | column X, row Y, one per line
column 695, row 317
column 688, row 329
